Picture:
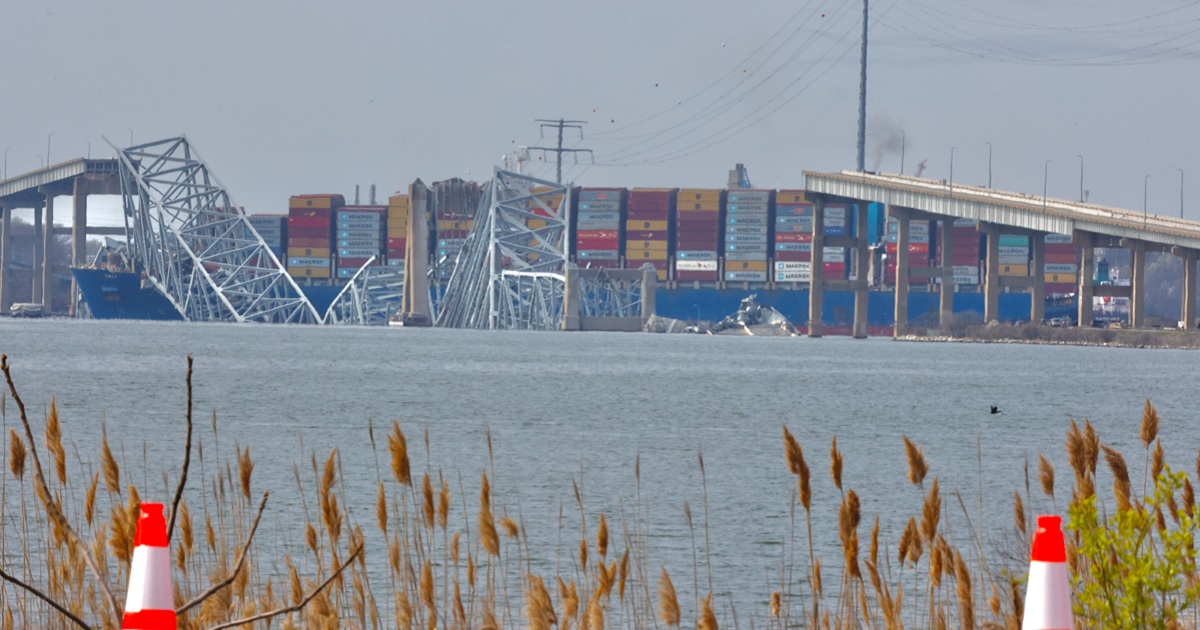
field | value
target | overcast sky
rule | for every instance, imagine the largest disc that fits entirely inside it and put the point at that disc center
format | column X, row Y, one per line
column 285, row 97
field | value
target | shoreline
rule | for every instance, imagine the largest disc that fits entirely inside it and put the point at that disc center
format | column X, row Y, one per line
column 1028, row 334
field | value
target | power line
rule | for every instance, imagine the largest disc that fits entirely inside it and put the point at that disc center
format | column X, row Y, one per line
column 560, row 124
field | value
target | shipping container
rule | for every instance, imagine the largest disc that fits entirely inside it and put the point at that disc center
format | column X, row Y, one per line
column 746, row 265
column 308, row 272
column 1065, row 278
column 696, row 255
column 598, row 254
column 316, row 252
column 307, row 261
column 316, row 202
column 696, row 265
column 1013, row 270
column 745, row 276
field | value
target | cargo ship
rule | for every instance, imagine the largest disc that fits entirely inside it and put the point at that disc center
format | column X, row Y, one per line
column 711, row 248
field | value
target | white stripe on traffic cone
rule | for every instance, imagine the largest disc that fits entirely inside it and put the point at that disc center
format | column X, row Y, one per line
column 150, row 602
column 1048, row 592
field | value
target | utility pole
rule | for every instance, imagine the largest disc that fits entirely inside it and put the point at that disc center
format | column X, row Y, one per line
column 862, row 97
column 558, row 150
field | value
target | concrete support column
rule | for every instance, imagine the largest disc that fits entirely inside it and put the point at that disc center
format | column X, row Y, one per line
column 570, row 319
column 37, row 255
column 1189, row 289
column 947, row 296
column 1087, row 261
column 78, row 234
column 47, row 278
column 1037, row 310
column 5, row 252
column 991, row 298
column 649, row 286
column 900, row 326
column 863, row 264
column 816, row 290
column 1137, row 301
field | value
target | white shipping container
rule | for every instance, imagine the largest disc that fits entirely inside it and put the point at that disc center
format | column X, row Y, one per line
column 372, row 217
column 1058, row 239
column 1061, row 268
column 788, row 265
column 746, row 276
column 964, row 270
column 300, row 261
column 696, row 265
column 793, row 276
column 834, row 254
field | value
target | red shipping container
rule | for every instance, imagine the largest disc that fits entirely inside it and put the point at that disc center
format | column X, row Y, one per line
column 1060, row 288
column 793, row 237
column 321, row 232
column 394, row 253
column 654, row 214
column 691, row 276
column 834, row 269
column 649, row 198
column 345, row 263
column 596, row 243
column 918, row 248
column 308, row 222
column 696, row 244
column 793, row 256
column 1062, row 259
column 397, row 243
column 600, row 235
column 309, row 242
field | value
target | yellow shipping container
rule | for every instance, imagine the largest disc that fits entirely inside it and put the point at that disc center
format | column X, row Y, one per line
column 645, row 254
column 535, row 224
column 745, row 265
column 642, row 226
column 400, row 231
column 658, row 246
column 309, row 252
column 701, row 195
column 453, row 225
column 698, row 206
column 398, row 201
column 310, row 202
column 1014, row 270
column 308, row 272
column 397, row 213
column 1061, row 278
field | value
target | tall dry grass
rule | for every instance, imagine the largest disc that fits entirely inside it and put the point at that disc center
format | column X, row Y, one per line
column 437, row 562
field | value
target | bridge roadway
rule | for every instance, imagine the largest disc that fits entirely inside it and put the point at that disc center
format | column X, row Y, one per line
column 79, row 178
column 997, row 212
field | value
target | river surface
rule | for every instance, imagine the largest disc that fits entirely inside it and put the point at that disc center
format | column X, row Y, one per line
column 588, row 407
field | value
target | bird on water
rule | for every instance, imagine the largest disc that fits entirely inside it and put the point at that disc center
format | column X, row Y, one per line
column 995, row 409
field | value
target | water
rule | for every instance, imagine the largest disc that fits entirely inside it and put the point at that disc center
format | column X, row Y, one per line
column 587, row 407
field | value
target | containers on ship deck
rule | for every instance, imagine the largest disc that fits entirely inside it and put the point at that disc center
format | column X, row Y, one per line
column 455, row 202
column 310, row 235
column 792, row 244
column 648, row 219
column 746, row 243
column 598, row 227
column 273, row 230
column 397, row 230
column 360, row 233
column 698, row 229
column 1061, row 269
column 918, row 247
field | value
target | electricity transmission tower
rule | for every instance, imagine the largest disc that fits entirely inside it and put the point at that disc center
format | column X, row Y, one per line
column 560, row 124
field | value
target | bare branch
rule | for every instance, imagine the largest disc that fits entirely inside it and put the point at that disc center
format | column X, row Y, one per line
column 42, row 596
column 51, row 505
column 304, row 602
column 241, row 559
column 187, row 455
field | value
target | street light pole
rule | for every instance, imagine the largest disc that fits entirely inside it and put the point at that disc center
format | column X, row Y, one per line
column 1145, row 213
column 989, row 163
column 1180, row 192
column 1080, row 177
column 902, row 139
column 952, row 167
column 48, row 149
column 1045, row 182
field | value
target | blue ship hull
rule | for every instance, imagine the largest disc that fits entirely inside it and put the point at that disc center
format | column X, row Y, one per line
column 119, row 295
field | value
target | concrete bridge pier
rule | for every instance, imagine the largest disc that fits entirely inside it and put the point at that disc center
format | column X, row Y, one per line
column 1188, row 310
column 947, row 294
column 79, row 212
column 649, row 286
column 816, row 284
column 862, row 264
column 1085, row 241
column 570, row 320
column 1137, row 301
column 991, row 298
column 1037, row 309
column 5, row 252
column 900, row 327
column 39, row 254
column 47, row 264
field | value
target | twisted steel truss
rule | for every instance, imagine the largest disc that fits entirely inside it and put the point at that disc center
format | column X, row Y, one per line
column 371, row 297
column 511, row 272
column 196, row 247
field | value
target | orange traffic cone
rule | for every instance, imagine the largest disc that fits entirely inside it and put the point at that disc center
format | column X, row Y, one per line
column 1048, row 593
column 150, row 602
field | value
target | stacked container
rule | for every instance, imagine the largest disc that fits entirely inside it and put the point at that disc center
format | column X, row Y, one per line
column 647, row 229
column 360, row 235
column 697, row 234
column 918, row 247
column 397, row 230
column 966, row 252
column 837, row 217
column 1014, row 255
column 454, row 221
column 793, row 236
column 1062, row 265
column 310, row 235
column 273, row 230
column 746, row 240
column 598, row 227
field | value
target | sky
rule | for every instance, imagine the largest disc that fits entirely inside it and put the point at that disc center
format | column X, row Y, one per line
column 283, row 97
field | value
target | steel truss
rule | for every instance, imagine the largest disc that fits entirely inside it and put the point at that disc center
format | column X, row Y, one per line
column 196, row 247
column 511, row 272
column 371, row 297
column 603, row 296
